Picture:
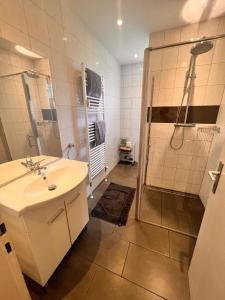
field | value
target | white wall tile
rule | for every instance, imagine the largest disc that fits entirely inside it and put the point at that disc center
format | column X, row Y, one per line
column 217, row 74
column 40, row 26
column 172, row 36
column 167, row 78
column 37, row 22
column 214, row 94
column 12, row 12
column 219, row 52
column 184, row 56
column 221, row 26
column 156, row 60
column 130, row 103
column 180, row 77
column 208, row 28
column 157, row 38
column 169, row 58
column 165, row 96
column 202, row 75
column 189, row 32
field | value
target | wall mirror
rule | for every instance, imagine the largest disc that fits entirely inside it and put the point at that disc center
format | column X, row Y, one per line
column 28, row 117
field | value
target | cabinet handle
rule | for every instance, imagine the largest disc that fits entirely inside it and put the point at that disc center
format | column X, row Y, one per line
column 71, row 201
column 56, row 216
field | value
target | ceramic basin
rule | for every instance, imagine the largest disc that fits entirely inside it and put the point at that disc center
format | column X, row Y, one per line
column 42, row 183
column 31, row 189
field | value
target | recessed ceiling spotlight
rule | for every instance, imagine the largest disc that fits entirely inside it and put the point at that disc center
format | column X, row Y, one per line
column 64, row 38
column 119, row 22
column 135, row 55
column 97, row 63
column 27, row 52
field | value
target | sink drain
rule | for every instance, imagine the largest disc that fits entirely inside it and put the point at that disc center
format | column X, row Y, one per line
column 51, row 187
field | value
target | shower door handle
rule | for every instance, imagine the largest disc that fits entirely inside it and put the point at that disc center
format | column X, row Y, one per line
column 215, row 176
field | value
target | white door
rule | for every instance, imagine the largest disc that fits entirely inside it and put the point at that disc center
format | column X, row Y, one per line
column 12, row 284
column 207, row 270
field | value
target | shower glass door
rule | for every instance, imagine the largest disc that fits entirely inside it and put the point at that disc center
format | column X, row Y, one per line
column 16, row 125
column 4, row 148
column 43, row 113
column 176, row 169
column 27, row 107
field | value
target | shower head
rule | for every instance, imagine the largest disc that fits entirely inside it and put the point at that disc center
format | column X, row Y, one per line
column 32, row 74
column 202, row 47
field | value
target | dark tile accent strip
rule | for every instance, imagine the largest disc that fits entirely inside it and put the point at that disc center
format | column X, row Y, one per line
column 196, row 114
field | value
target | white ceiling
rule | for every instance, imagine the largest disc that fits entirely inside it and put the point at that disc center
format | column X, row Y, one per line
column 140, row 17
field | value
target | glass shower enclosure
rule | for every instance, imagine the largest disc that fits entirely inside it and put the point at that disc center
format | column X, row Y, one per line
column 183, row 96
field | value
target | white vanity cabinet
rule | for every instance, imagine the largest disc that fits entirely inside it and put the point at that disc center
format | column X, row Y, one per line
column 43, row 235
column 77, row 201
column 49, row 238
column 12, row 284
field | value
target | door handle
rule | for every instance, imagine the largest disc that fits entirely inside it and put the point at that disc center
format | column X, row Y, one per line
column 215, row 176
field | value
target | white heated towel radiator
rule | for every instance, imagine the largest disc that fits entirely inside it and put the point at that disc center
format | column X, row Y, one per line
column 94, row 111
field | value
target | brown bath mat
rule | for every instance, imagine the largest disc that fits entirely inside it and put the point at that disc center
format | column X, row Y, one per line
column 115, row 204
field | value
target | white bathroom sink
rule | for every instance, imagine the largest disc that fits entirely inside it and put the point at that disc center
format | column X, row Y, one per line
column 32, row 190
column 43, row 183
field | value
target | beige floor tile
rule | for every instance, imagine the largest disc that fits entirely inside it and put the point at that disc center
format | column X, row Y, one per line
column 145, row 235
column 174, row 211
column 124, row 174
column 109, row 286
column 99, row 228
column 181, row 246
column 155, row 272
column 151, row 207
column 183, row 214
column 71, row 280
column 109, row 252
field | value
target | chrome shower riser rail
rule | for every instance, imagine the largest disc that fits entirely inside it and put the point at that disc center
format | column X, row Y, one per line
column 210, row 38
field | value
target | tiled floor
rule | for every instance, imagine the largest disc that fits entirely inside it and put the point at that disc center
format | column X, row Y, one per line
column 138, row 261
column 178, row 212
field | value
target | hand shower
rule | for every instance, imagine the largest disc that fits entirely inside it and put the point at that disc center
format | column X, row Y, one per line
column 190, row 77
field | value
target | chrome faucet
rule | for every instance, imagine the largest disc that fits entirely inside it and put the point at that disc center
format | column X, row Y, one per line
column 33, row 166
